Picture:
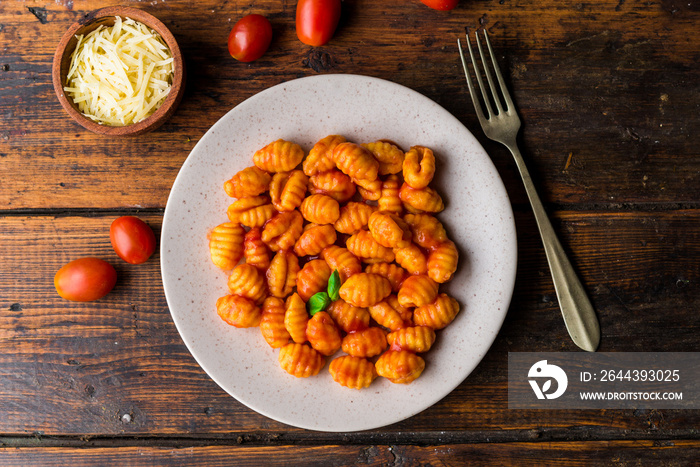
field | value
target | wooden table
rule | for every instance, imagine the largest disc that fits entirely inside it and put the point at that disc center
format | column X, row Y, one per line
column 609, row 93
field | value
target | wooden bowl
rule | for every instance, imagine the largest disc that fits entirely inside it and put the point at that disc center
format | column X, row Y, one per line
column 106, row 16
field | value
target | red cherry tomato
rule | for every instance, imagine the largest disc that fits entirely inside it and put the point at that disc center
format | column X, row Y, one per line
column 250, row 38
column 441, row 4
column 85, row 279
column 317, row 20
column 132, row 239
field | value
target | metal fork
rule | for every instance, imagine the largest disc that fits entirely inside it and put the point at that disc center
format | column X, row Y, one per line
column 502, row 126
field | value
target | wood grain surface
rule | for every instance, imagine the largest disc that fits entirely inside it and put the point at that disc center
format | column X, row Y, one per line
column 605, row 83
column 609, row 93
column 566, row 454
column 123, row 356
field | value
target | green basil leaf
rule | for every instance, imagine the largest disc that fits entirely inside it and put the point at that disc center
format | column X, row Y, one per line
column 334, row 286
column 318, row 302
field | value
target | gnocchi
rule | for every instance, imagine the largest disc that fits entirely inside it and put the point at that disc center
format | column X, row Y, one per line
column 352, row 372
column 412, row 259
column 389, row 156
column 314, row 239
column 349, row 318
column 251, row 212
column 296, row 318
column 369, row 342
column 278, row 156
column 323, row 334
column 333, row 183
column 250, row 181
column 365, row 247
column 356, row 161
column 442, row 262
column 320, row 158
column 417, row 339
column 282, row 274
column 272, row 325
column 340, row 259
column 255, row 252
column 390, row 314
column 245, row 280
column 420, row 200
column 282, row 231
column 300, row 360
column 417, row 291
column 438, row 314
column 363, row 210
column 418, row 167
column 389, row 229
column 238, row 311
column 400, row 366
column 320, row 209
column 312, row 278
column 226, row 244
column 395, row 274
column 427, row 230
column 287, row 190
column 389, row 200
column 365, row 289
column 353, row 217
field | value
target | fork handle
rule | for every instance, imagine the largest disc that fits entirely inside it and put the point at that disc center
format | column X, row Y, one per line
column 579, row 315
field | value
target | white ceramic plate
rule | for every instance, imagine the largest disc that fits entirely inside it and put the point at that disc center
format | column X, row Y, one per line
column 478, row 218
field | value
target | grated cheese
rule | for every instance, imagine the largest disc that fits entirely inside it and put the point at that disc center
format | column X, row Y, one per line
column 121, row 74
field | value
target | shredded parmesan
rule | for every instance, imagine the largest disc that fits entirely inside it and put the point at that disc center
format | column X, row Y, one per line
column 121, row 74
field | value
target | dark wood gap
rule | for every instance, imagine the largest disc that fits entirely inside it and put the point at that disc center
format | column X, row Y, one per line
column 431, row 438
column 518, row 208
column 80, row 212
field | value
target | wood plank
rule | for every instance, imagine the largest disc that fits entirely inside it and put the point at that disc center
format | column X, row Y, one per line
column 591, row 453
column 624, row 258
column 69, row 368
column 609, row 110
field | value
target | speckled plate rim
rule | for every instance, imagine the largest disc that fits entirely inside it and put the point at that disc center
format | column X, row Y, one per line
column 478, row 218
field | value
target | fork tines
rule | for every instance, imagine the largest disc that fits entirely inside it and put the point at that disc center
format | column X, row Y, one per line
column 494, row 90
